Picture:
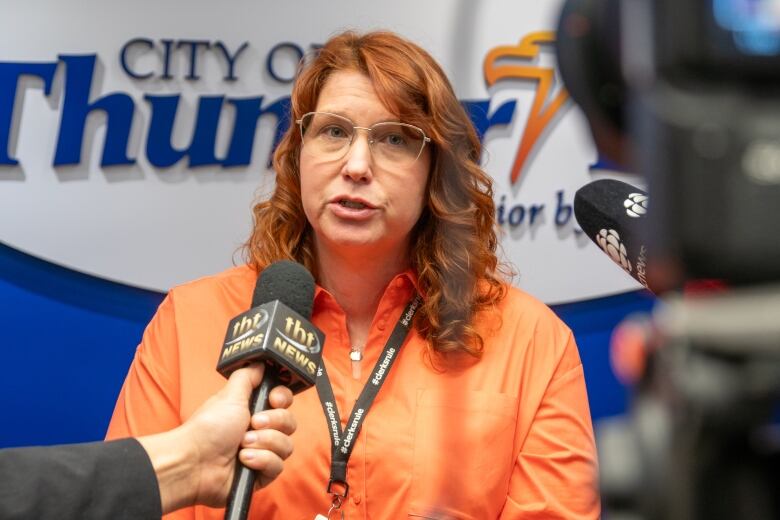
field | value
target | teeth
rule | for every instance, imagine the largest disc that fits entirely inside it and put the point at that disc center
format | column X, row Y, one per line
column 352, row 204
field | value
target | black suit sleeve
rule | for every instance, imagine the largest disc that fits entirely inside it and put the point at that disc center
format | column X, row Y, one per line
column 95, row 481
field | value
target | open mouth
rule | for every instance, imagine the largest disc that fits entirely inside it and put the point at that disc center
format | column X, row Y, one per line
column 352, row 204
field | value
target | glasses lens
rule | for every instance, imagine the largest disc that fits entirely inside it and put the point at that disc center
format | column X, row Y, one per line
column 397, row 143
column 326, row 135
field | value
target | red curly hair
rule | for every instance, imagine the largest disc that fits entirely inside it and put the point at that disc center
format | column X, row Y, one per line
column 454, row 242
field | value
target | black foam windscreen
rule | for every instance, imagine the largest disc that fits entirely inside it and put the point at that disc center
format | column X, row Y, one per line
column 611, row 213
column 609, row 203
column 288, row 282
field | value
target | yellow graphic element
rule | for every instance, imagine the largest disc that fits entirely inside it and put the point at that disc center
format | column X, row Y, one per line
column 539, row 116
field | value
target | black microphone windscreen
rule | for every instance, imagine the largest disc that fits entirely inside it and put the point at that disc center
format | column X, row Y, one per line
column 606, row 203
column 289, row 282
column 610, row 213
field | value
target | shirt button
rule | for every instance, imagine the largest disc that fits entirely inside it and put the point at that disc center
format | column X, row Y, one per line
column 356, row 499
column 381, row 325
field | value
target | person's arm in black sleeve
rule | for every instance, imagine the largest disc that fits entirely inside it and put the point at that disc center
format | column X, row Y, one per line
column 88, row 481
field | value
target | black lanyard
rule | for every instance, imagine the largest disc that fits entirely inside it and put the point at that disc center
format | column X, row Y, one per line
column 342, row 442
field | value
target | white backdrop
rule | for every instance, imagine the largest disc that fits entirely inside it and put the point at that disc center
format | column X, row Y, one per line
column 156, row 227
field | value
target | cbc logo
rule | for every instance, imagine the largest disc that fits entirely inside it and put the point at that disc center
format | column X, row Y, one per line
column 636, row 205
column 609, row 241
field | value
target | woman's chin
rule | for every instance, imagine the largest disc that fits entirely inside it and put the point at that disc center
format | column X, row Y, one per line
column 356, row 243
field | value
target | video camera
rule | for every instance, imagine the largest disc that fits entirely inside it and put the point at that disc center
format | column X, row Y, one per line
column 687, row 93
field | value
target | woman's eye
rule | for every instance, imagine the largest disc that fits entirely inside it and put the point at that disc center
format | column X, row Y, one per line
column 334, row 132
column 395, row 139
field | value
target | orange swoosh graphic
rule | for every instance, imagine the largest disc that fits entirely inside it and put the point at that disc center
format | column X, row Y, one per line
column 539, row 116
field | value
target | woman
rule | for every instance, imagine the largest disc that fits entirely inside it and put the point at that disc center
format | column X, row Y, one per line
column 480, row 408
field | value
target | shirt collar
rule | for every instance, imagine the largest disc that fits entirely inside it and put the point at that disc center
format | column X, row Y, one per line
column 403, row 279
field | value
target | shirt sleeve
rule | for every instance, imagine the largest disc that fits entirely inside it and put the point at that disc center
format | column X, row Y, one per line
column 80, row 482
column 149, row 401
column 555, row 473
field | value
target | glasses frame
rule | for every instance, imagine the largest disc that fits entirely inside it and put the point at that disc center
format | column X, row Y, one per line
column 368, row 131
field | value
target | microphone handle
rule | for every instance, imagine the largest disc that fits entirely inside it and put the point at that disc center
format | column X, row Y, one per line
column 244, row 479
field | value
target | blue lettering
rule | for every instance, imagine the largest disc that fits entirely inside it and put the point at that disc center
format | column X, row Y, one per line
column 516, row 215
column 562, row 211
column 500, row 211
column 119, row 108
column 159, row 149
column 167, row 44
column 269, row 61
column 248, row 111
column 194, row 45
column 535, row 212
column 9, row 80
column 230, row 59
column 123, row 57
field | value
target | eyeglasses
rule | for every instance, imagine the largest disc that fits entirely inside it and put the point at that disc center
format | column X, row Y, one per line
column 392, row 144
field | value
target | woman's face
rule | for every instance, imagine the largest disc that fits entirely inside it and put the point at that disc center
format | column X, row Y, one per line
column 353, row 204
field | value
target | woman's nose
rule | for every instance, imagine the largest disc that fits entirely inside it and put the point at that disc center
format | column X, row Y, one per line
column 359, row 163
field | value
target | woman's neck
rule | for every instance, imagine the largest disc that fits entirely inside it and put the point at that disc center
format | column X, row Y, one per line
column 357, row 283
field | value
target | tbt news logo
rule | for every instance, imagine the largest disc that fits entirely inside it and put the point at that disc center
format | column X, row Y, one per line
column 274, row 333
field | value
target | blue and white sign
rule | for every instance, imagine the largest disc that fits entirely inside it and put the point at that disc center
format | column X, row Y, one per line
column 135, row 136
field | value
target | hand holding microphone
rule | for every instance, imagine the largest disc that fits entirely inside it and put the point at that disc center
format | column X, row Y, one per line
column 194, row 463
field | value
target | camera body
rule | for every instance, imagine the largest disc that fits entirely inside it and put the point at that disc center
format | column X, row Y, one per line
column 705, row 107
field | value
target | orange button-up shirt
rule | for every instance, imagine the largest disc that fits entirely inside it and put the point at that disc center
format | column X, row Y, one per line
column 508, row 436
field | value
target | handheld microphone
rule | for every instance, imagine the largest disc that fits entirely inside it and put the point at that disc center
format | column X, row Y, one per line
column 611, row 212
column 277, row 332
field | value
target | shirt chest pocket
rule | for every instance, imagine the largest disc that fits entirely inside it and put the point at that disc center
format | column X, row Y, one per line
column 463, row 445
